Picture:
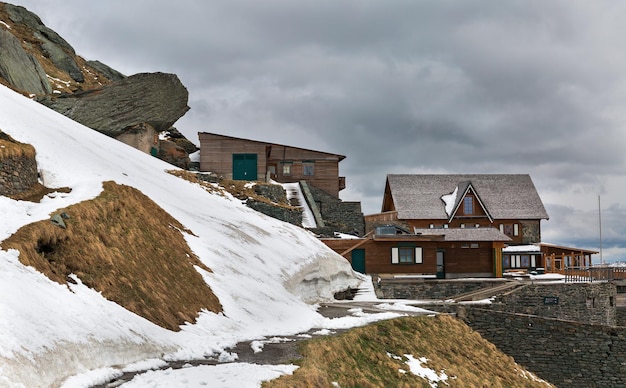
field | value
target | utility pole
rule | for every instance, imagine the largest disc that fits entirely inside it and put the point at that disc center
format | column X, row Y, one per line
column 600, row 227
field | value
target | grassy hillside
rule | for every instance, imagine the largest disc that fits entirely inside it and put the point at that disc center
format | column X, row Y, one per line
column 125, row 246
column 375, row 356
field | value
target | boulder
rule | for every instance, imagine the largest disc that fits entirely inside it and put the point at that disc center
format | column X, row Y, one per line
column 180, row 140
column 107, row 71
column 19, row 68
column 173, row 154
column 157, row 99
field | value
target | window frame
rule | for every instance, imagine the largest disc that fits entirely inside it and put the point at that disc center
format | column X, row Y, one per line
column 468, row 205
column 412, row 252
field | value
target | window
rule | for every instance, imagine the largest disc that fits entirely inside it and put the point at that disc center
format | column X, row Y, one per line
column 474, row 245
column 508, row 229
column 515, row 229
column 506, row 261
column 431, row 226
column 468, row 205
column 287, row 168
column 445, row 226
column 308, row 168
column 406, row 255
column 462, row 226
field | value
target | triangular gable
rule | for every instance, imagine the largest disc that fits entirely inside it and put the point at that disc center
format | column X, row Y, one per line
column 465, row 188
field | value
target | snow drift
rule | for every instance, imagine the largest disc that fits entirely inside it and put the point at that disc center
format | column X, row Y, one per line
column 266, row 273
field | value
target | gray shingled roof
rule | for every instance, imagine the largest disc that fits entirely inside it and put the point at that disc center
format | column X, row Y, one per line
column 465, row 234
column 504, row 196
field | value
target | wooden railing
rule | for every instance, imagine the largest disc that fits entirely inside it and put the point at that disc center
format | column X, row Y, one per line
column 593, row 274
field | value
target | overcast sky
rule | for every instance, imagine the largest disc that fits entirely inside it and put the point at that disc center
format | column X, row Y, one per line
column 402, row 86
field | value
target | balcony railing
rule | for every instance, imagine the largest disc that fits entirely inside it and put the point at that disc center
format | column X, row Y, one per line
column 593, row 274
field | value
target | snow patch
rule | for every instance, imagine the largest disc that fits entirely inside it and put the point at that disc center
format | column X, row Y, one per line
column 450, row 201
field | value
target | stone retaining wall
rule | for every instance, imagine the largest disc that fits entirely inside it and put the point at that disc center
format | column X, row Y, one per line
column 581, row 302
column 345, row 217
column 17, row 173
column 430, row 289
column 565, row 353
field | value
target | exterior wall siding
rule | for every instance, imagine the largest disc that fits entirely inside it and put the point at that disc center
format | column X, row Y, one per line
column 459, row 261
column 216, row 156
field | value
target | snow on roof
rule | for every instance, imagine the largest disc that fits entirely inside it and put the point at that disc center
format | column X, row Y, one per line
column 450, row 201
column 522, row 248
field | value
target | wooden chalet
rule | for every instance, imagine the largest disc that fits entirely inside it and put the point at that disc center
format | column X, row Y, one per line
column 244, row 159
column 509, row 203
column 429, row 253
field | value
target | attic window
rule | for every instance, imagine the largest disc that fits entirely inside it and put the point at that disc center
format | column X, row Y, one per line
column 468, row 205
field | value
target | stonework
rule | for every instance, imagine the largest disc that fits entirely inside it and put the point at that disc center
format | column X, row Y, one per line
column 345, row 217
column 18, row 167
column 565, row 353
column 581, row 302
column 531, row 231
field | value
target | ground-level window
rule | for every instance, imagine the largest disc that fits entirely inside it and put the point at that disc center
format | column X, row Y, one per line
column 519, row 261
column 308, row 168
column 406, row 255
column 287, row 168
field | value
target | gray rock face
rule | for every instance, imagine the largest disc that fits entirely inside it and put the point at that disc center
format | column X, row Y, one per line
column 19, row 68
column 58, row 50
column 109, row 72
column 158, row 99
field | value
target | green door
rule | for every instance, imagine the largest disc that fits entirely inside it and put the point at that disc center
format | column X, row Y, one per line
column 441, row 269
column 244, row 167
column 358, row 260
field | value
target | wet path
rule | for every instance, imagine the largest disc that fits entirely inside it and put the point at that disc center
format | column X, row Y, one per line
column 273, row 350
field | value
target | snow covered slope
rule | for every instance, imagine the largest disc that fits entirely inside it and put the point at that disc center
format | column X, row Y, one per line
column 266, row 273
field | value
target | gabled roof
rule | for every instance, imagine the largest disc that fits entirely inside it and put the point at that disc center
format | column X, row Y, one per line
column 503, row 196
column 464, row 188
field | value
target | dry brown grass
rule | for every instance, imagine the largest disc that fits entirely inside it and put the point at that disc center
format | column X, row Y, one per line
column 238, row 189
column 359, row 357
column 125, row 246
column 11, row 148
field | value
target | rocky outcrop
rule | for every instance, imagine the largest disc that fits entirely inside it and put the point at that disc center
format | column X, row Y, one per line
column 136, row 110
column 180, row 140
column 157, row 99
column 19, row 68
column 52, row 45
column 173, row 154
column 109, row 72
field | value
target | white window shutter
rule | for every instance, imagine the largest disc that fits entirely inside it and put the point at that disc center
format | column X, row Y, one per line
column 394, row 256
column 515, row 229
column 418, row 255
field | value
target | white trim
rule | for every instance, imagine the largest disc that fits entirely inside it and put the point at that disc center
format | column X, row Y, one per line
column 418, row 255
column 394, row 256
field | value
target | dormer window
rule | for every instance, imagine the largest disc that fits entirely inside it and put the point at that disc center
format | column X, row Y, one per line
column 468, row 205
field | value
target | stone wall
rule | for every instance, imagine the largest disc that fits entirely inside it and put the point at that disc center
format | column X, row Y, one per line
column 17, row 174
column 290, row 215
column 531, row 232
column 18, row 167
column 430, row 289
column 344, row 217
column 565, row 353
column 581, row 302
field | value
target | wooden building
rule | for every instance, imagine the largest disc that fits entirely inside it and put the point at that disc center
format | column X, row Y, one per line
column 509, row 203
column 429, row 253
column 547, row 257
column 243, row 159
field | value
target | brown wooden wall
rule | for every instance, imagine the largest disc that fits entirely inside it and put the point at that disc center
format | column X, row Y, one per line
column 216, row 155
column 458, row 258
